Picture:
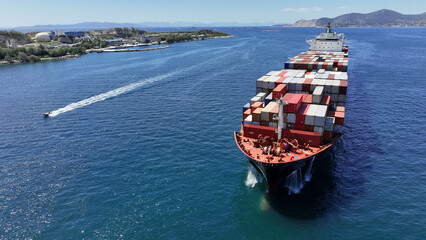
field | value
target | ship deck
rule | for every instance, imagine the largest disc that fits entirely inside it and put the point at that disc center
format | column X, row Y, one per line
column 246, row 145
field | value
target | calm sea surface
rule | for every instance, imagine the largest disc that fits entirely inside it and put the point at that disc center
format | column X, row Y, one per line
column 156, row 159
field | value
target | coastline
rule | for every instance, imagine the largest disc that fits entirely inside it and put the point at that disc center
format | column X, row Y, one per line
column 124, row 49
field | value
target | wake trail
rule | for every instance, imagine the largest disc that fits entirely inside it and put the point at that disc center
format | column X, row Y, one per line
column 124, row 89
column 109, row 94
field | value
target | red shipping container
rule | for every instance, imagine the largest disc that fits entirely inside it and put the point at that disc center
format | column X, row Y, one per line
column 256, row 105
column 339, row 117
column 340, row 66
column 282, row 73
column 279, row 91
column 325, row 100
column 294, row 103
column 331, row 76
column 280, row 81
column 311, row 138
column 309, row 128
column 304, row 96
column 335, row 63
column 253, row 131
column 300, row 127
column 300, row 116
column 287, row 97
column 328, row 135
column 324, row 66
column 343, row 87
column 306, row 86
column 308, row 99
column 246, row 113
column 330, row 113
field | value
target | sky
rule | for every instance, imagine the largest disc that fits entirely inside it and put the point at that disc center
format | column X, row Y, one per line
column 16, row 13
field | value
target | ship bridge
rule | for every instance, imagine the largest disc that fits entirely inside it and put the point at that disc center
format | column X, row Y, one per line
column 327, row 41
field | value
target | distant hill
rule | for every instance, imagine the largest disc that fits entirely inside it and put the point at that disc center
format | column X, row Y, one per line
column 143, row 25
column 381, row 18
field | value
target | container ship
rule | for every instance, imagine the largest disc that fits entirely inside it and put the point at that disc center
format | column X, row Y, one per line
column 297, row 114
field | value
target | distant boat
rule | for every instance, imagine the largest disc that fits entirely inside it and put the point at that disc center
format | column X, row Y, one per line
column 46, row 115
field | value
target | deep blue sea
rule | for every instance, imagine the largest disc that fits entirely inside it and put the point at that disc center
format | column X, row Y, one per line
column 156, row 159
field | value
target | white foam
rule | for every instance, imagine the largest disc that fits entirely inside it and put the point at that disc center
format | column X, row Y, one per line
column 251, row 178
column 109, row 94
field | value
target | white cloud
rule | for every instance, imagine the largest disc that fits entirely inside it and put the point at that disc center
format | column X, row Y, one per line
column 289, row 10
column 342, row 7
column 316, row 9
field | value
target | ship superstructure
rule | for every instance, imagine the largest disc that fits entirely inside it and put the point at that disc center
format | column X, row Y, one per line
column 298, row 112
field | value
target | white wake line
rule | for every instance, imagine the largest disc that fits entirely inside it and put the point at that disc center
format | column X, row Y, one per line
column 107, row 95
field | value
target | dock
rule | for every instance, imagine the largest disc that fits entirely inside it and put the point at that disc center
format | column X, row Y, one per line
column 124, row 49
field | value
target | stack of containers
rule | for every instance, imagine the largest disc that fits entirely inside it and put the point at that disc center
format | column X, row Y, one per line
column 314, row 86
column 319, row 60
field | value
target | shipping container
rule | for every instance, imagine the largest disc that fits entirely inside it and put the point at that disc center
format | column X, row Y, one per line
column 303, row 137
column 246, row 113
column 301, row 113
column 310, row 114
column 248, row 119
column 247, row 106
column 294, row 103
column 317, row 94
column 256, row 114
column 329, row 124
column 256, row 105
column 339, row 118
column 279, row 91
column 320, row 115
column 253, row 131
column 255, row 99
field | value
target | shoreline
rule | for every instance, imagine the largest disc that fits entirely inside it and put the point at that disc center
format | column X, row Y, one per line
column 2, row 63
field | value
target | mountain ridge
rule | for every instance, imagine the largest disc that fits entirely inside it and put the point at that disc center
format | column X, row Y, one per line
column 380, row 18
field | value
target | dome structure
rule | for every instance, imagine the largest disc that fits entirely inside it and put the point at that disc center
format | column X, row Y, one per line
column 43, row 37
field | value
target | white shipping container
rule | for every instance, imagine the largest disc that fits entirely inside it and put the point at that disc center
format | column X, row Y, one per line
column 287, row 80
column 310, row 114
column 262, row 95
column 248, row 119
column 264, row 115
column 260, row 81
column 321, row 71
column 314, row 84
column 317, row 94
column 271, row 81
column 322, row 82
column 300, row 74
column 273, row 73
column 335, row 86
column 320, row 116
column 291, row 118
column 255, row 99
